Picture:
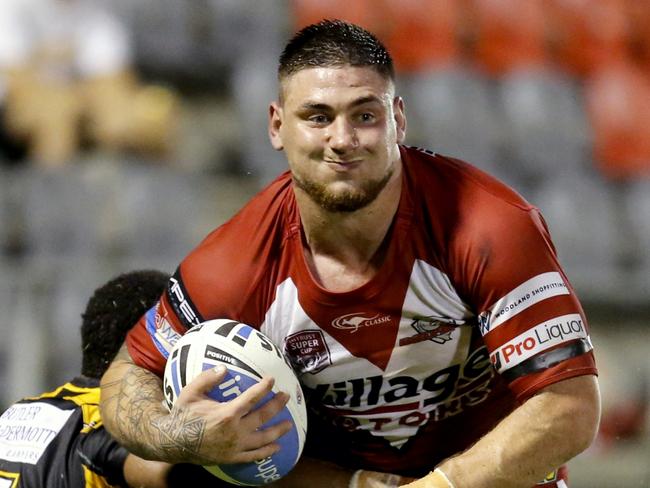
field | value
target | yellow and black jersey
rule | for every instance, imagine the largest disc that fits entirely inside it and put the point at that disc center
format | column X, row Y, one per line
column 57, row 440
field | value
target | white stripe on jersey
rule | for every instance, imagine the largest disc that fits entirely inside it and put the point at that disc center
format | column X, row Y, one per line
column 431, row 290
column 530, row 292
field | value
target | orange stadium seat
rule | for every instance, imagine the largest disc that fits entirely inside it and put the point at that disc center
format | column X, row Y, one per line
column 587, row 34
column 420, row 34
column 618, row 105
column 638, row 15
column 507, row 34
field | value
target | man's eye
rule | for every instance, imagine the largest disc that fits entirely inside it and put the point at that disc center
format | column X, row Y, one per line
column 367, row 117
column 318, row 119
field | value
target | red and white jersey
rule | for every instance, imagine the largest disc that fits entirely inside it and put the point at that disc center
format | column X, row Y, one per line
column 469, row 313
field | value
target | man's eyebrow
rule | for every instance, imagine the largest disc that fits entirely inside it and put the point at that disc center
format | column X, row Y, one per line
column 355, row 103
column 314, row 106
column 367, row 99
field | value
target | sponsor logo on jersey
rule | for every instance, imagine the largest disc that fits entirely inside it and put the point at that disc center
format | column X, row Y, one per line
column 181, row 303
column 532, row 291
column 354, row 321
column 538, row 339
column 435, row 329
column 27, row 429
column 307, row 351
column 160, row 330
column 397, row 407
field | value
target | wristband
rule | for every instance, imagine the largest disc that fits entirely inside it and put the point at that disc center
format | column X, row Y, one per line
column 442, row 475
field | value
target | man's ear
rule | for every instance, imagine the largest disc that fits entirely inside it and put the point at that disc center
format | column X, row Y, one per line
column 275, row 124
column 400, row 119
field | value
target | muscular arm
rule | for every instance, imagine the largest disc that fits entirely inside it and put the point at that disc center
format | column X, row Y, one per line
column 133, row 412
column 198, row 429
column 540, row 435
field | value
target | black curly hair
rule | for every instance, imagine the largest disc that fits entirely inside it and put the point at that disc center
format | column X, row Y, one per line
column 334, row 43
column 111, row 311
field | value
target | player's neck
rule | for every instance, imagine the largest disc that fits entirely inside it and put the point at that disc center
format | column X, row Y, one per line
column 352, row 237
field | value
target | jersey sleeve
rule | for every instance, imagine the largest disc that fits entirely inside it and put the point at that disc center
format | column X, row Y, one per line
column 219, row 279
column 528, row 313
column 100, row 453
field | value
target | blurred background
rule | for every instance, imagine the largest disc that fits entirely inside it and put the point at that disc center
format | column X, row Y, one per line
column 130, row 129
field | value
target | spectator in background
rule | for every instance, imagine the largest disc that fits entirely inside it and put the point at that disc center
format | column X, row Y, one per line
column 66, row 79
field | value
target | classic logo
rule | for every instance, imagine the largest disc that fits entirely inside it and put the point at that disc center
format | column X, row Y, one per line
column 354, row 321
column 307, row 351
column 436, row 329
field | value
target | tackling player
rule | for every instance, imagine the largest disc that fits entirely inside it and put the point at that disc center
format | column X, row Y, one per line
column 419, row 300
column 57, row 439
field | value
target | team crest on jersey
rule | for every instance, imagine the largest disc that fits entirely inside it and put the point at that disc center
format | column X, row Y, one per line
column 307, row 351
column 435, row 329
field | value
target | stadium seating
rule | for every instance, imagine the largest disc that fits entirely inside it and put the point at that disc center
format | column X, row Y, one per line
column 582, row 214
column 507, row 35
column 451, row 112
column 618, row 107
column 586, row 35
column 66, row 211
column 546, row 131
column 637, row 209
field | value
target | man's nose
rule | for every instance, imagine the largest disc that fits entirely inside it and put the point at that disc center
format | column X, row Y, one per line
column 343, row 135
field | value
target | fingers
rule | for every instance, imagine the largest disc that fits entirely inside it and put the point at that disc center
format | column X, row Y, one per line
column 255, row 454
column 266, row 412
column 247, row 401
column 266, row 436
column 204, row 382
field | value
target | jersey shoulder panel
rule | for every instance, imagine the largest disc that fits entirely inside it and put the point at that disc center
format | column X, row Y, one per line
column 240, row 254
column 485, row 231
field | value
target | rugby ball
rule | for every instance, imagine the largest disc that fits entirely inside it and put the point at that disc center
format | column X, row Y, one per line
column 248, row 355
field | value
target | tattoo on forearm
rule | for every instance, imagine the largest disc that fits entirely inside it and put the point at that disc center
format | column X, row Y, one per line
column 142, row 424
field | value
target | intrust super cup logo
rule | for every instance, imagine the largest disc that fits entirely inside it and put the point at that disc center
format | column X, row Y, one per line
column 540, row 338
column 307, row 351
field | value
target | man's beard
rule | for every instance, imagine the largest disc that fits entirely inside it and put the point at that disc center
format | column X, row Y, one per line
column 349, row 200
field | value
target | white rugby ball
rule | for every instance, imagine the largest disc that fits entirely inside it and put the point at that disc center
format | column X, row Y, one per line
column 248, row 355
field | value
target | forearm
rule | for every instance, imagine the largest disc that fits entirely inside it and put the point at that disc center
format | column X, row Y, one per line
column 133, row 412
column 539, row 436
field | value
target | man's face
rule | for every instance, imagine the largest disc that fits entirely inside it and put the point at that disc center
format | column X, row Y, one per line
column 339, row 128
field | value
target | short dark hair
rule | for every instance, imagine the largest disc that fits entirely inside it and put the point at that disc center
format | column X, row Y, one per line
column 111, row 312
column 333, row 43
